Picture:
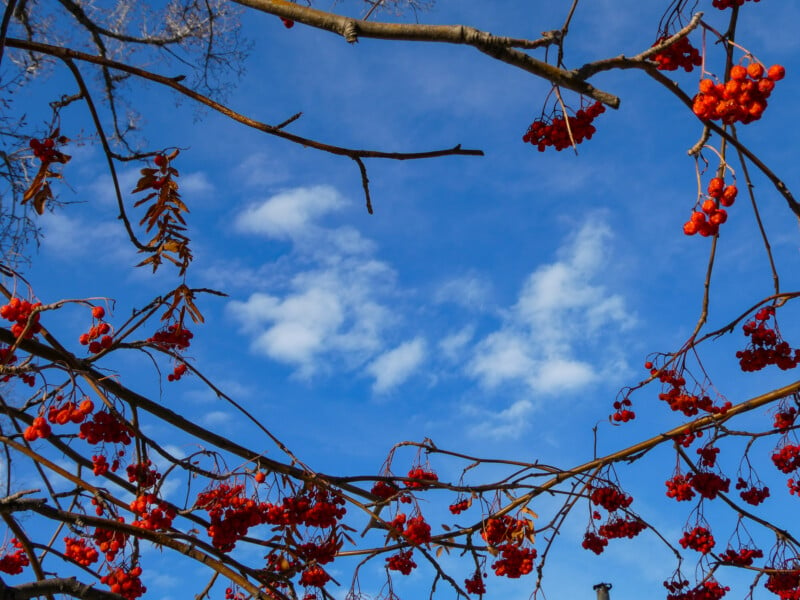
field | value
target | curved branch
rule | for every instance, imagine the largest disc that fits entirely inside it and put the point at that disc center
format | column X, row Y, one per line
column 497, row 47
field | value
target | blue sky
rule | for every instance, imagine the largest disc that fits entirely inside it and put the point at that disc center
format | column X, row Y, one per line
column 495, row 305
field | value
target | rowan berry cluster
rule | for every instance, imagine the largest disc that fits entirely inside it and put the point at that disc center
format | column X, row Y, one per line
column 231, row 594
column 709, row 485
column 319, row 552
column 563, row 131
column 7, row 357
column 699, row 539
column 723, row 4
column 314, row 576
column 680, row 487
column 14, row 562
column 100, row 465
column 515, row 561
column 785, row 418
column 610, row 498
column 628, row 527
column 384, row 489
column 177, row 372
column 417, row 531
column 154, row 514
column 594, row 542
column 458, row 507
column 142, row 474
column 39, row 428
column 402, row 562
column 69, row 412
column 623, row 413
column 787, row 458
column 679, row 399
column 785, row 584
column 173, row 337
column 766, row 346
column 741, row 558
column 125, row 583
column 750, row 493
column 679, row 54
column 105, row 427
column 422, row 478
column 743, row 98
column 109, row 541
column 82, row 553
column 504, row 528
column 97, row 337
column 475, row 584
column 708, row 590
column 707, row 220
column 20, row 312
column 708, row 455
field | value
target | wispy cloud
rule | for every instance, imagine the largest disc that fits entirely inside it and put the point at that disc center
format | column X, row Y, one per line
column 332, row 306
column 392, row 368
column 561, row 310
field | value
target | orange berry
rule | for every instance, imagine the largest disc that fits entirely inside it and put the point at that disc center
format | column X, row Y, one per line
column 755, row 70
column 776, row 72
column 738, row 72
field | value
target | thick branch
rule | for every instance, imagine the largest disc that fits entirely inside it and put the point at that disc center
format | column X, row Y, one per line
column 496, row 47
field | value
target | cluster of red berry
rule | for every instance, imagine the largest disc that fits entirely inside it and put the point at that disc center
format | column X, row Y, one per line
column 562, row 131
column 708, row 455
column 401, row 562
column 699, row 539
column 610, row 498
column 475, row 585
column 417, row 531
column 320, row 552
column 39, row 428
column 69, row 412
column 142, row 474
column 458, row 507
column 314, row 576
column 384, row 489
column 787, row 458
column 723, row 4
column 154, row 514
column 751, row 493
column 125, row 583
column 498, row 530
column 679, row 486
column 709, row 485
column 785, row 418
column 82, row 553
column 619, row 527
column 741, row 558
column 743, row 98
column 100, row 465
column 707, row 220
column 421, row 478
column 515, row 561
column 623, row 412
column 174, row 337
column 595, row 543
column 177, row 372
column 679, row 399
column 13, row 562
column 766, row 346
column 110, row 542
column 679, row 54
column 784, row 584
column 20, row 312
column 709, row 589
column 99, row 330
column 105, row 427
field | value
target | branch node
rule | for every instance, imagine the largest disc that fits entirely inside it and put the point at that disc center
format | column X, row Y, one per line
column 350, row 31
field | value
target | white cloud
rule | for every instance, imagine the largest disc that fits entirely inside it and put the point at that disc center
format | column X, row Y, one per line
column 453, row 345
column 324, row 302
column 290, row 213
column 392, row 368
column 469, row 291
column 509, row 423
column 561, row 310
